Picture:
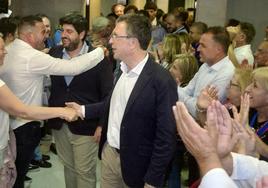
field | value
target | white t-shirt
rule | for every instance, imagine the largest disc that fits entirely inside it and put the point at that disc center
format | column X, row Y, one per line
column 4, row 125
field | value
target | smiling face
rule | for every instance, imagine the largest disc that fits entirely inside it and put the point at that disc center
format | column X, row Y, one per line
column 70, row 37
column 39, row 36
column 258, row 94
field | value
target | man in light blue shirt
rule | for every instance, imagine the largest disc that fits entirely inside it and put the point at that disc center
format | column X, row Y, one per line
column 217, row 70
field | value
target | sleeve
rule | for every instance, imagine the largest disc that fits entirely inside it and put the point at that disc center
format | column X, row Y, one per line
column 248, row 170
column 2, row 83
column 185, row 95
column 165, row 138
column 217, row 177
column 43, row 63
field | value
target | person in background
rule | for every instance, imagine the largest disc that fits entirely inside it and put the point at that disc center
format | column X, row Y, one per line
column 49, row 43
column 217, row 70
column 196, row 31
column 158, row 32
column 183, row 69
column 131, row 9
column 244, row 33
column 118, row 9
column 8, row 27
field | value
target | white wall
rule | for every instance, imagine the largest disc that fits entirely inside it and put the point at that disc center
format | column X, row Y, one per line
column 212, row 12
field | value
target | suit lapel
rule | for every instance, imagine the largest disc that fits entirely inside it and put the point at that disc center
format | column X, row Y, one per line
column 140, row 84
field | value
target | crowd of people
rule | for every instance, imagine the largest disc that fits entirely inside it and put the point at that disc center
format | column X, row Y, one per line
column 147, row 92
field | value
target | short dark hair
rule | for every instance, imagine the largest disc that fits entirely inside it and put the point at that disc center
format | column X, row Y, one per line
column 201, row 26
column 8, row 26
column 138, row 26
column 221, row 36
column 79, row 22
column 131, row 7
column 30, row 20
column 249, row 30
column 150, row 5
column 42, row 15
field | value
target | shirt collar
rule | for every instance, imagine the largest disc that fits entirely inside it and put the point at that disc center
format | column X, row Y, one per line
column 83, row 50
column 137, row 69
column 217, row 66
column 244, row 47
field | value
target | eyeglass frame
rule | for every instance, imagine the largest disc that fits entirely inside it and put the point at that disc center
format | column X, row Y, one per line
column 114, row 36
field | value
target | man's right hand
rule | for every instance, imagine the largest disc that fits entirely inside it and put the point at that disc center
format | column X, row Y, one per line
column 76, row 107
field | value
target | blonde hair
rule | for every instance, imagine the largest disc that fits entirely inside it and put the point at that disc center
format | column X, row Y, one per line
column 261, row 75
column 244, row 78
column 187, row 65
column 171, row 47
column 184, row 39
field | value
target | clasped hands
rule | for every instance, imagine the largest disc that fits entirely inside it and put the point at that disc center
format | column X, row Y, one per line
column 72, row 112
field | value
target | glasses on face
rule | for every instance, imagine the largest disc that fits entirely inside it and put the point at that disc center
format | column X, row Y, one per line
column 115, row 36
column 234, row 85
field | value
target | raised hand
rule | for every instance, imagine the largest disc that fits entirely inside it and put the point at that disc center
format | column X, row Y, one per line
column 242, row 116
column 76, row 107
column 226, row 141
column 196, row 139
column 247, row 140
column 207, row 95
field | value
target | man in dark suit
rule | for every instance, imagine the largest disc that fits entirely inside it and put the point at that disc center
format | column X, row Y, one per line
column 76, row 142
column 138, row 135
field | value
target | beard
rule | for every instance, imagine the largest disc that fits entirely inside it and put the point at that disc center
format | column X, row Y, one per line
column 73, row 45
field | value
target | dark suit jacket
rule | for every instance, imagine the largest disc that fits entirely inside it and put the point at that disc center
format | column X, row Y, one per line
column 90, row 87
column 148, row 129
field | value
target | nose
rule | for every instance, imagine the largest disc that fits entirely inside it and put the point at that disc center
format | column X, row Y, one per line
column 111, row 40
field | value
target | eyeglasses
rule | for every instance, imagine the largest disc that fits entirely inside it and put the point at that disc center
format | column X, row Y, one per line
column 114, row 36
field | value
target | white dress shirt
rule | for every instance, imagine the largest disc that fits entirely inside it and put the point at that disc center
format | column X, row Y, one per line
column 24, row 69
column 248, row 170
column 217, row 178
column 244, row 52
column 4, row 127
column 120, row 96
column 218, row 75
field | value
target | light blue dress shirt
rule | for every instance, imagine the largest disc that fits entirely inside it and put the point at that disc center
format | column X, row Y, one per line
column 218, row 75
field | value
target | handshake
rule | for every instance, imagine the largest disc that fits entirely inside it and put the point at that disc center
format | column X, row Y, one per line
column 71, row 112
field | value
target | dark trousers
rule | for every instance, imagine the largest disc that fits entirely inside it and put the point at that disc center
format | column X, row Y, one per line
column 27, row 138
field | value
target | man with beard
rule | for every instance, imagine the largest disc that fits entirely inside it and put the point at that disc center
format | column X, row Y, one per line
column 77, row 143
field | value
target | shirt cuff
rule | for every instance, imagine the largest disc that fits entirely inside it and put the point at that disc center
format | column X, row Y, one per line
column 83, row 110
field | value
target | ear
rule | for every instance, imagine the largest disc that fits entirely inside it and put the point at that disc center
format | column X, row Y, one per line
column 82, row 35
column 242, row 37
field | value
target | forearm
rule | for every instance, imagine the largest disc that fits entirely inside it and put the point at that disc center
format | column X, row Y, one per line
column 38, row 113
column 227, row 163
column 206, row 164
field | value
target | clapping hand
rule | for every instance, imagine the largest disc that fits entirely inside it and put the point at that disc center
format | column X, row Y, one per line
column 207, row 95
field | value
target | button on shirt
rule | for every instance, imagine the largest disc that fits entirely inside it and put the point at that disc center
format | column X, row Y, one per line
column 218, row 75
column 120, row 96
